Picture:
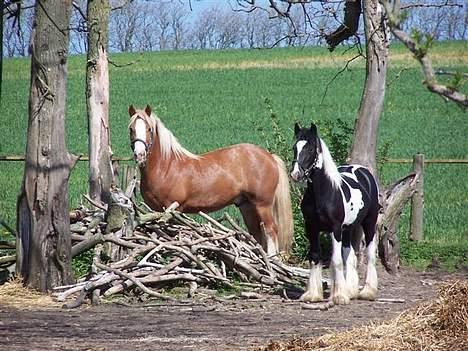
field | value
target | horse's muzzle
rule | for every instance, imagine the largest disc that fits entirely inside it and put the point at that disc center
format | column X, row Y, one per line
column 140, row 159
column 296, row 176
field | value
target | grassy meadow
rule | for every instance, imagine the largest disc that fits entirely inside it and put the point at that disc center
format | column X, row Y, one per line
column 214, row 98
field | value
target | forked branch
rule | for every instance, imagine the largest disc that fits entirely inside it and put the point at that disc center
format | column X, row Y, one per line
column 420, row 52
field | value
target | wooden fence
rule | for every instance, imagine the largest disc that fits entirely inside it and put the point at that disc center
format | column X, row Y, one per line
column 417, row 200
column 390, row 160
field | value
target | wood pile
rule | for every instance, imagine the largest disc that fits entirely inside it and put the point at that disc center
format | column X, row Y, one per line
column 151, row 251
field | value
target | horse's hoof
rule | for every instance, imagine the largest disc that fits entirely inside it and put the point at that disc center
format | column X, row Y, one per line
column 311, row 297
column 340, row 299
column 368, row 293
column 353, row 294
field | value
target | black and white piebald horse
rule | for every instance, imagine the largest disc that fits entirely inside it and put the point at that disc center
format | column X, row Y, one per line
column 336, row 200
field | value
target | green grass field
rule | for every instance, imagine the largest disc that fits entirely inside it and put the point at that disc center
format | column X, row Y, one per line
column 214, row 98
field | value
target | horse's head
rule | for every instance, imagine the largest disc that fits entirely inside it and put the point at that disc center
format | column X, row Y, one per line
column 141, row 128
column 307, row 153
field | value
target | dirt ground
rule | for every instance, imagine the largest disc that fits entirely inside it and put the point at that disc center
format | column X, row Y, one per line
column 205, row 325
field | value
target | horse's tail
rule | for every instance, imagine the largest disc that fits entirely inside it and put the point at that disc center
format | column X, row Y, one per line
column 282, row 210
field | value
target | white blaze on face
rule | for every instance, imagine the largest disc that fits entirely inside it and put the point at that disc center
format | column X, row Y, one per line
column 296, row 171
column 140, row 133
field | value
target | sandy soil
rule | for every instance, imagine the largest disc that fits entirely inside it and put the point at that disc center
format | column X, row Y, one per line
column 208, row 324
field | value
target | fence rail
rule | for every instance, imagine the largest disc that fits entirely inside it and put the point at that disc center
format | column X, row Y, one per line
column 390, row 160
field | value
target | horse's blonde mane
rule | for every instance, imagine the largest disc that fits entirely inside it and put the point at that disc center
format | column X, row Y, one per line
column 168, row 143
column 329, row 166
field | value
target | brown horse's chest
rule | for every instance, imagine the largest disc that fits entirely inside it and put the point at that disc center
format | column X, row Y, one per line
column 151, row 194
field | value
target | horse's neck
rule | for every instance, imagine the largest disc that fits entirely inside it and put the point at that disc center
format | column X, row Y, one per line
column 322, row 186
column 154, row 163
column 160, row 166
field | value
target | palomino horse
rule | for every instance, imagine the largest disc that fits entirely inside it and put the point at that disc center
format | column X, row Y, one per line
column 244, row 174
column 336, row 200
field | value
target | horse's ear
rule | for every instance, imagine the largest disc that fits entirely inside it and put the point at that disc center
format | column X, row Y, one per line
column 148, row 110
column 297, row 128
column 313, row 128
column 131, row 110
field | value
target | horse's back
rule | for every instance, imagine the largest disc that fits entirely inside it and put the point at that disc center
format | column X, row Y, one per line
column 367, row 182
column 244, row 156
column 252, row 169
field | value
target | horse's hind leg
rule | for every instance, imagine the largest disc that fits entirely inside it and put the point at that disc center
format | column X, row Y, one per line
column 251, row 220
column 268, row 229
column 369, row 291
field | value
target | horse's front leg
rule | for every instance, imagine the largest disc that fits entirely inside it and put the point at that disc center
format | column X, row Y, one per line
column 369, row 292
column 339, row 292
column 314, row 290
column 350, row 262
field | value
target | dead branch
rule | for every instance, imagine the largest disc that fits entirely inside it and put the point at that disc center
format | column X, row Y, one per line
column 420, row 52
column 394, row 200
column 352, row 13
column 170, row 247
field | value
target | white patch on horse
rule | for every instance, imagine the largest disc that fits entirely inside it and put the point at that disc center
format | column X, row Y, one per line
column 140, row 133
column 329, row 166
column 353, row 206
column 319, row 162
column 296, row 171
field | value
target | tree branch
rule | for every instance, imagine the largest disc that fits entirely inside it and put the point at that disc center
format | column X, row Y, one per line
column 352, row 13
column 420, row 53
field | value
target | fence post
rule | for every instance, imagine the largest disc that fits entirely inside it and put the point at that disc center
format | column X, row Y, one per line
column 417, row 200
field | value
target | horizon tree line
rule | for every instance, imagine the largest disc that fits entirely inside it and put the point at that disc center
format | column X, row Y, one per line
column 142, row 26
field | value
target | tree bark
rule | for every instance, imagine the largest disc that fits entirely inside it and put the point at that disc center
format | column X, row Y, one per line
column 97, row 74
column 2, row 5
column 364, row 146
column 44, row 241
column 394, row 200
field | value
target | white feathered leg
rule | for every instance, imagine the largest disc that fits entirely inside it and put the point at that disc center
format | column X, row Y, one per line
column 369, row 291
column 339, row 294
column 314, row 291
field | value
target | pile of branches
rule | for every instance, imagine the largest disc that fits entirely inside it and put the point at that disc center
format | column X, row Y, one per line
column 159, row 249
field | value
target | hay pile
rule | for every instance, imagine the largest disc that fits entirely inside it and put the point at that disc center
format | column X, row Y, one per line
column 14, row 294
column 438, row 325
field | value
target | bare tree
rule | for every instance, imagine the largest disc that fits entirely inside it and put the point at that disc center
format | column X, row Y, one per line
column 364, row 145
column 227, row 30
column 124, row 24
column 79, row 26
column 97, row 78
column 17, row 27
column 147, row 35
column 44, row 240
column 178, row 18
column 163, row 21
column 204, row 28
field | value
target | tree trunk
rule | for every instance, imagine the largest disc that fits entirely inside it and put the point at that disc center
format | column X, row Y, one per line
column 97, row 73
column 44, row 241
column 364, row 147
column 2, row 6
